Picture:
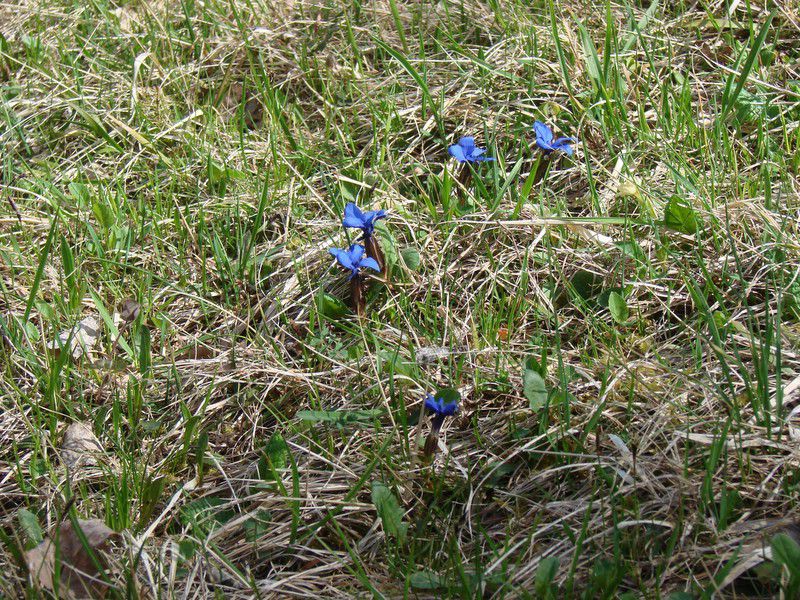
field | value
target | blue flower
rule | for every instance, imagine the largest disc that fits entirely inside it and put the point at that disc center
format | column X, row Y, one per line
column 465, row 151
column 354, row 260
column 545, row 141
column 364, row 220
column 439, row 407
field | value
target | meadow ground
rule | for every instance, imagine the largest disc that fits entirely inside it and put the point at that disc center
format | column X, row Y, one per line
column 622, row 324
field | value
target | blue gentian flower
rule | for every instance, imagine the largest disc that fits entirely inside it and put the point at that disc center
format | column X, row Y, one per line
column 465, row 151
column 439, row 407
column 363, row 220
column 354, row 260
column 545, row 141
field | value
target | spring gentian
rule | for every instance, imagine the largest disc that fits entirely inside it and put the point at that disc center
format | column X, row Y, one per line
column 545, row 141
column 363, row 220
column 354, row 260
column 439, row 407
column 443, row 404
column 465, row 151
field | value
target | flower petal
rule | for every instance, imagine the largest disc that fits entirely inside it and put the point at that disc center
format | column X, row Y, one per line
column 564, row 145
column 449, row 409
column 467, row 144
column 352, row 221
column 370, row 263
column 353, row 217
column 430, row 402
column 544, row 135
column 371, row 216
column 356, row 251
column 342, row 257
column 477, row 152
column 457, row 152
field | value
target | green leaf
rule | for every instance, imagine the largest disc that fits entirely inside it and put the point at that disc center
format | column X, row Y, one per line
column 257, row 526
column 618, row 307
column 274, row 456
column 389, row 511
column 562, row 57
column 149, row 497
column 545, row 574
column 388, row 244
column 750, row 108
column 501, row 472
column 216, row 173
column 204, row 515
column 427, row 98
column 340, row 418
column 639, row 27
column 94, row 125
column 786, row 552
column 277, row 451
column 427, row 580
column 80, row 194
column 533, row 386
column 102, row 211
column 680, row 216
column 533, row 364
column 632, row 250
column 200, row 454
column 587, row 284
column 70, row 276
column 145, row 359
column 37, row 280
column 393, row 361
column 448, row 395
column 30, row 525
column 187, row 549
column 410, row 258
column 729, row 97
column 330, row 306
column 590, row 57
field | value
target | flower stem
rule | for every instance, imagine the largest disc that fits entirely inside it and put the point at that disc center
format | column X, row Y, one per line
column 432, row 441
column 543, row 168
column 465, row 176
column 436, row 423
column 357, row 299
column 431, row 444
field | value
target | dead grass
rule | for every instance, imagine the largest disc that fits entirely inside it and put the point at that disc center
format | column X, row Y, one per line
column 211, row 195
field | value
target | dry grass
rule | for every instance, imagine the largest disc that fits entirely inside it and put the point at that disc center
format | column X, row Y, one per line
column 196, row 157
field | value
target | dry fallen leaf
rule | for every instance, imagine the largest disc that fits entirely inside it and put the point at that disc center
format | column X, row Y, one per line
column 80, row 577
column 80, row 447
column 129, row 310
column 79, row 340
column 232, row 100
column 197, row 351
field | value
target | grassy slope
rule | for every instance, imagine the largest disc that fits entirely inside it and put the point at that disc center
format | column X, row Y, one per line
column 196, row 156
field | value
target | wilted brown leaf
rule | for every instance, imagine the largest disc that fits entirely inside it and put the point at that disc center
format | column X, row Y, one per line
column 80, row 447
column 80, row 576
column 196, row 351
column 79, row 340
column 232, row 100
column 129, row 309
